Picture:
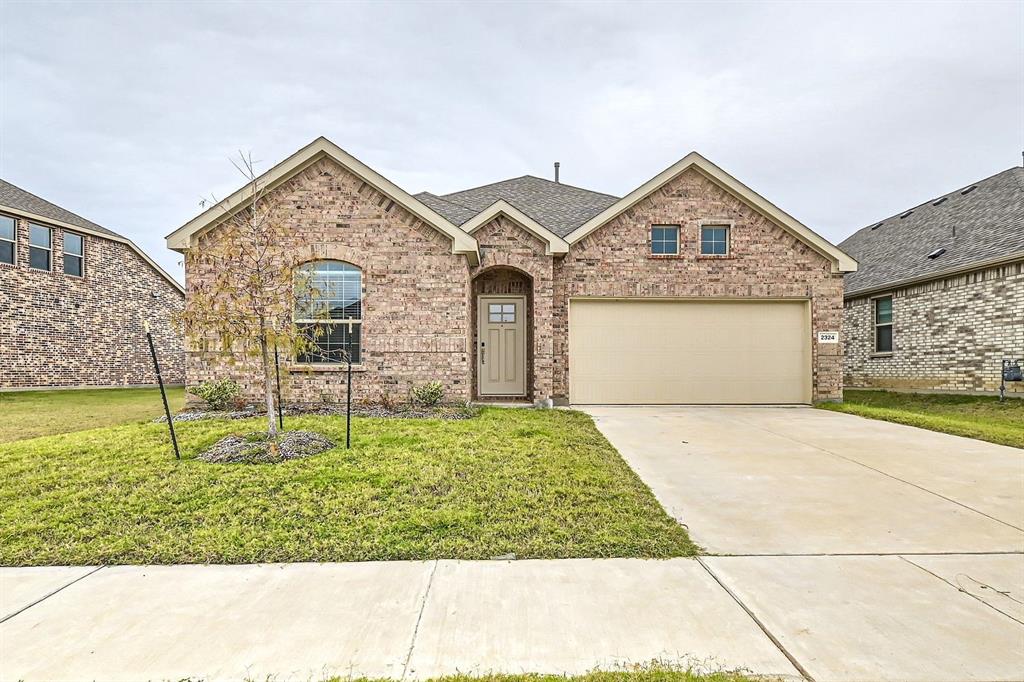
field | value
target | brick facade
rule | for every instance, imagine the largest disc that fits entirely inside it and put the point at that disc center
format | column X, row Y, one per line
column 57, row 330
column 419, row 299
column 415, row 325
column 765, row 261
column 949, row 334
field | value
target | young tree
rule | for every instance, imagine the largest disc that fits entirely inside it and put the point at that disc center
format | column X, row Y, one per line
column 242, row 288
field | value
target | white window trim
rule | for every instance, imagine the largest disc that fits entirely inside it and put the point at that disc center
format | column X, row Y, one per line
column 679, row 235
column 49, row 249
column 729, row 225
column 875, row 325
column 14, row 241
column 349, row 322
column 65, row 254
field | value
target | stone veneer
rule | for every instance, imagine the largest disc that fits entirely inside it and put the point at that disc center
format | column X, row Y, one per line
column 419, row 298
column 58, row 330
column 949, row 334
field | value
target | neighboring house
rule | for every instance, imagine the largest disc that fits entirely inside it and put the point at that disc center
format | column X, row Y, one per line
column 690, row 289
column 73, row 299
column 938, row 301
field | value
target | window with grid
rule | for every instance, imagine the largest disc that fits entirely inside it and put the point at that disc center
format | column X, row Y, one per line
column 665, row 240
column 40, row 239
column 74, row 254
column 883, row 324
column 329, row 311
column 714, row 240
column 8, row 239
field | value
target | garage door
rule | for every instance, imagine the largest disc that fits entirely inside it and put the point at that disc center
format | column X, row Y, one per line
column 689, row 352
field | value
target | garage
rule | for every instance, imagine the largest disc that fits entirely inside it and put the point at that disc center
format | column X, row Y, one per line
column 633, row 351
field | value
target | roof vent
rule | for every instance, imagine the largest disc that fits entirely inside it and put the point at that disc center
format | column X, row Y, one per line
column 877, row 225
column 906, row 214
column 936, row 253
column 969, row 189
column 940, row 201
column 557, row 166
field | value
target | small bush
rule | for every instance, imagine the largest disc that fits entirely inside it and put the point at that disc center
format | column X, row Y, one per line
column 427, row 395
column 217, row 394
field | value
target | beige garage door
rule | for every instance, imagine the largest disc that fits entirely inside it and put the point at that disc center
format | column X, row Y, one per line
column 688, row 352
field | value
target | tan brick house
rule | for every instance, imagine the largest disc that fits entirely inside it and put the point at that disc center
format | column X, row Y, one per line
column 73, row 299
column 692, row 288
column 938, row 301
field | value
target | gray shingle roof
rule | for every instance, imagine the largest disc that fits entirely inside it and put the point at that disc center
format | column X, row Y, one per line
column 560, row 208
column 972, row 225
column 15, row 197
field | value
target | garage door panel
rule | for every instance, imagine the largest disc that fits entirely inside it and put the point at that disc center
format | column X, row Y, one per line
column 689, row 352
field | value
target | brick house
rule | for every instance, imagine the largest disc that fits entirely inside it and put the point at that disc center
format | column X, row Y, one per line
column 73, row 299
column 692, row 288
column 938, row 300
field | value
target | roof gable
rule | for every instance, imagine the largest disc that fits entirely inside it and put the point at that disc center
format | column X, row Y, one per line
column 462, row 242
column 841, row 261
column 553, row 243
column 980, row 224
column 559, row 207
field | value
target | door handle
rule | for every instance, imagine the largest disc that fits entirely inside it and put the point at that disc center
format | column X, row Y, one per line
column 483, row 353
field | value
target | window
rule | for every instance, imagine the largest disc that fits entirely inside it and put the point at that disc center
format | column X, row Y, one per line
column 714, row 240
column 39, row 246
column 74, row 254
column 8, row 239
column 329, row 311
column 883, row 325
column 501, row 312
column 665, row 240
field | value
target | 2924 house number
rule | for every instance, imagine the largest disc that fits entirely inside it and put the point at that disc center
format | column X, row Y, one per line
column 828, row 337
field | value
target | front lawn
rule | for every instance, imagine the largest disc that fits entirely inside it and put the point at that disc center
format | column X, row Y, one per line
column 539, row 484
column 28, row 414
column 981, row 417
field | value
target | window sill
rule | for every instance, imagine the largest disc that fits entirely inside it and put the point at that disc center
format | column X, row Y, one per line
column 881, row 355
column 327, row 367
column 715, row 256
column 664, row 256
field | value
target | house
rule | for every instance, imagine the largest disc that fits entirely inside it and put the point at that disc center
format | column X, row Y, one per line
column 938, row 301
column 692, row 288
column 73, row 299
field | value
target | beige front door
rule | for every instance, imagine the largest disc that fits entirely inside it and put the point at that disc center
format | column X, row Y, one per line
column 501, row 345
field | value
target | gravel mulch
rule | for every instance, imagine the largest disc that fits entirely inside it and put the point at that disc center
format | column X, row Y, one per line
column 254, row 448
column 400, row 412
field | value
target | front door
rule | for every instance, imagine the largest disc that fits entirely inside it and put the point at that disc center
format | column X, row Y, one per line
column 501, row 345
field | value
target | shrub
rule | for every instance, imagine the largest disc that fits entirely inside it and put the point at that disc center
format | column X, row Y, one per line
column 217, row 394
column 428, row 395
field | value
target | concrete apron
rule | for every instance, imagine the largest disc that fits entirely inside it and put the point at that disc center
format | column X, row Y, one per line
column 830, row 618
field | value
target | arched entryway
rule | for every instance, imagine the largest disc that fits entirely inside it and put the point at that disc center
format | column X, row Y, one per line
column 502, row 323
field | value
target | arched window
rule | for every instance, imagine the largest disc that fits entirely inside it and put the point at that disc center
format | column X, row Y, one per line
column 329, row 310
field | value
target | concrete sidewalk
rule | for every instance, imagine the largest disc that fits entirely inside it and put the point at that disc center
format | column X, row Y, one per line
column 830, row 618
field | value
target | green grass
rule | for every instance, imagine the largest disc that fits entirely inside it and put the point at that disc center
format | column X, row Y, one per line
column 540, row 484
column 28, row 414
column 981, row 417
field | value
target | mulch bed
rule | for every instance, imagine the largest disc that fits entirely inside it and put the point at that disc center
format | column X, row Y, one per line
column 380, row 411
column 254, row 448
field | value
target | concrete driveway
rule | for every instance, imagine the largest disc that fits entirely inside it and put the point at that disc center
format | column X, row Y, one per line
column 865, row 550
column 763, row 480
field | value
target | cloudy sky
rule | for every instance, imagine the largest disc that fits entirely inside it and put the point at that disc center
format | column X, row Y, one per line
column 841, row 114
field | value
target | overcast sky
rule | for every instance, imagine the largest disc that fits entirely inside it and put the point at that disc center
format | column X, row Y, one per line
column 840, row 114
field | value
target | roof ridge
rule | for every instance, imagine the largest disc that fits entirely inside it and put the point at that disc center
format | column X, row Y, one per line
column 565, row 184
column 59, row 208
column 489, row 184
